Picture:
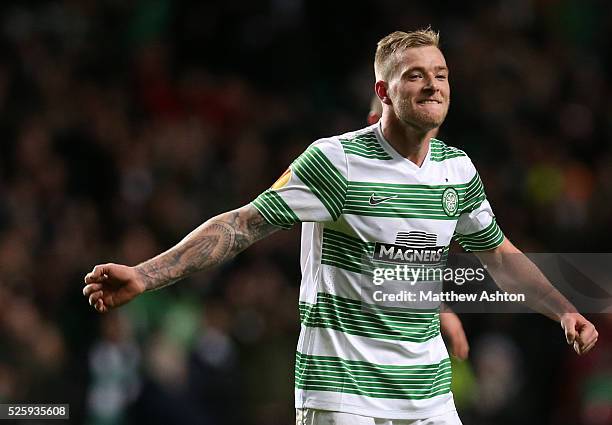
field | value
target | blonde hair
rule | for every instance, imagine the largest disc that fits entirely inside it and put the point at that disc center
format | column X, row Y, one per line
column 398, row 41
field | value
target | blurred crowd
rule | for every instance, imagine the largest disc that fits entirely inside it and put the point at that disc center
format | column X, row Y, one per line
column 125, row 124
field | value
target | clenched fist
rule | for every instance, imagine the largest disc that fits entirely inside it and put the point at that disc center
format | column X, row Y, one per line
column 579, row 332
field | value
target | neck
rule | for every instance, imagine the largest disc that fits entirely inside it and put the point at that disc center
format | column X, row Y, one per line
column 410, row 142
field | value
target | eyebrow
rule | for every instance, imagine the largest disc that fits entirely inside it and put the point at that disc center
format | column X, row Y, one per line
column 420, row 68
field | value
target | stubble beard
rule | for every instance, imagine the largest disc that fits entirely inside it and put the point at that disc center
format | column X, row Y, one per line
column 420, row 120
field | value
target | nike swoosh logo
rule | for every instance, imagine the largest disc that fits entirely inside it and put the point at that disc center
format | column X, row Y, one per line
column 375, row 200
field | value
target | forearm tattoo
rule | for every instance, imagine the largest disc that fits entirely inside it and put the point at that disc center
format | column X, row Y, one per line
column 214, row 242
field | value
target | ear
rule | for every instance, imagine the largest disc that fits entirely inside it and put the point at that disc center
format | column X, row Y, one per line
column 380, row 87
column 373, row 118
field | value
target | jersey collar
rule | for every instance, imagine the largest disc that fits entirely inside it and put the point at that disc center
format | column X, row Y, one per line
column 396, row 155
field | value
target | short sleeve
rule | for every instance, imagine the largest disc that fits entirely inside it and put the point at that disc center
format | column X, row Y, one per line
column 313, row 189
column 477, row 229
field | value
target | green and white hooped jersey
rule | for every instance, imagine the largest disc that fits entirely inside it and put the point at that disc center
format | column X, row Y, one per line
column 352, row 193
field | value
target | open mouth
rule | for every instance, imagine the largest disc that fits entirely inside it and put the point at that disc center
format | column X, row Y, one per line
column 429, row 101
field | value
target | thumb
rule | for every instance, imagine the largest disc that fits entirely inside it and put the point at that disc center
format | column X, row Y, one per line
column 570, row 332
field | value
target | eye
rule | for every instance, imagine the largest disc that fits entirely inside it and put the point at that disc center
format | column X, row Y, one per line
column 441, row 77
column 414, row 77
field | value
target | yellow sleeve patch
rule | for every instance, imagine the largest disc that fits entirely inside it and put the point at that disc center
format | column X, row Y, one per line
column 282, row 180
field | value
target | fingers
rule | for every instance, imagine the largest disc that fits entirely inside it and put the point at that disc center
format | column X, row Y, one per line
column 94, row 297
column 587, row 337
column 100, row 306
column 581, row 350
column 580, row 333
column 588, row 347
column 98, row 274
column 96, row 300
column 91, row 288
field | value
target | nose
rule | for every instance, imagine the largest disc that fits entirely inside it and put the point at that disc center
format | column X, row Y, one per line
column 431, row 84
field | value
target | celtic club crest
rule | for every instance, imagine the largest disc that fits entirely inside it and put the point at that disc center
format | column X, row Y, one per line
column 450, row 201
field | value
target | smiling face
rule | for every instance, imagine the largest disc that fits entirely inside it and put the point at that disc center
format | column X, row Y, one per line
column 417, row 89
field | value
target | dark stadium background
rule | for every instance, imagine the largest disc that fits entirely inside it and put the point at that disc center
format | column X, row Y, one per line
column 125, row 124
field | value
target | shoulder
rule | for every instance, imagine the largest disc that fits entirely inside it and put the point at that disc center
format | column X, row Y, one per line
column 363, row 133
column 336, row 147
column 325, row 153
column 452, row 157
column 440, row 151
column 329, row 147
column 363, row 143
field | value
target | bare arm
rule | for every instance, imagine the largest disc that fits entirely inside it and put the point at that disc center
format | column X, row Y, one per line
column 452, row 329
column 211, row 244
column 515, row 273
column 214, row 242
